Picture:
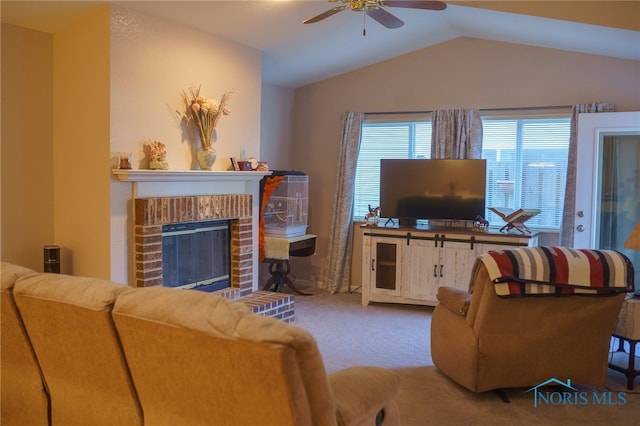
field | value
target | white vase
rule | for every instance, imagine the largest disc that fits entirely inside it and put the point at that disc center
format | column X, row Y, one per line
column 206, row 157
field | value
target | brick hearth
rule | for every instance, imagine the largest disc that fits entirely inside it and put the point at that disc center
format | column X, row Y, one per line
column 152, row 213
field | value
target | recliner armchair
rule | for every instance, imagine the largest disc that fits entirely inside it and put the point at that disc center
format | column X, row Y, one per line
column 531, row 314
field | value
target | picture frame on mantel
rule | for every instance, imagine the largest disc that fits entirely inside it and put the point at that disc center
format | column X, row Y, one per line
column 234, row 164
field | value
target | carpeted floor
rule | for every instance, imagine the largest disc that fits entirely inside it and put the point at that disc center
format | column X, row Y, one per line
column 397, row 337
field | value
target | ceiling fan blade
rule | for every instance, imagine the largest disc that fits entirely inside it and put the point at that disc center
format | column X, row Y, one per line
column 417, row 4
column 385, row 18
column 324, row 15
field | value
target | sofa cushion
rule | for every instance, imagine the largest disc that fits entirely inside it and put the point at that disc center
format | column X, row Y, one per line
column 361, row 391
column 23, row 396
column 263, row 371
column 69, row 322
column 10, row 273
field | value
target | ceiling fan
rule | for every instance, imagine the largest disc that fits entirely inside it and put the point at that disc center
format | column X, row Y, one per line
column 376, row 9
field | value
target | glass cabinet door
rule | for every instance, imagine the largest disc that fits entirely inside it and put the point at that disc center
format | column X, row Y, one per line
column 385, row 265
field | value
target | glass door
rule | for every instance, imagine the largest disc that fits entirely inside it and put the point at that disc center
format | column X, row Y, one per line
column 608, row 182
column 617, row 203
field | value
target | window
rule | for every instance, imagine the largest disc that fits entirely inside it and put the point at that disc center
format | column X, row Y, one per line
column 527, row 166
column 526, row 161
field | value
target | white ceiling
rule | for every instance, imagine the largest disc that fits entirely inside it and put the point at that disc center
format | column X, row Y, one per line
column 295, row 54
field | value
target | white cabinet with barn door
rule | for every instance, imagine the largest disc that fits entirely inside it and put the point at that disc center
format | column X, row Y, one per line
column 407, row 265
column 421, row 278
column 436, row 263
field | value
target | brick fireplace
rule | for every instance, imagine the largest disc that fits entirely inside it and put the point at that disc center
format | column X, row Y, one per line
column 152, row 213
column 173, row 197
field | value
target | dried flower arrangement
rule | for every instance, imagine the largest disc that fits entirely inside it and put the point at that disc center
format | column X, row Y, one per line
column 157, row 155
column 205, row 113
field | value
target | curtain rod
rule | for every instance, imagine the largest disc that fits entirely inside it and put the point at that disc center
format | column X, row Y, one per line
column 527, row 108
column 483, row 110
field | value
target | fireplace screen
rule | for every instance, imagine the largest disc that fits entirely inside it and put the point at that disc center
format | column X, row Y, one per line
column 196, row 255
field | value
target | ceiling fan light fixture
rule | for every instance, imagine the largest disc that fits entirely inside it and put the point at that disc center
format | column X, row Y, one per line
column 376, row 9
column 362, row 5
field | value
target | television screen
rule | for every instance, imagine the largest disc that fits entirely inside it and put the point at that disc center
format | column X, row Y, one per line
column 412, row 189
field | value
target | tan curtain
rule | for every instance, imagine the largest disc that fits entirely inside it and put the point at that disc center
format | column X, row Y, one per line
column 456, row 133
column 569, row 211
column 337, row 269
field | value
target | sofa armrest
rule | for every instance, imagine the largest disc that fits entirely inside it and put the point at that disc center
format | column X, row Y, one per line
column 454, row 299
column 361, row 392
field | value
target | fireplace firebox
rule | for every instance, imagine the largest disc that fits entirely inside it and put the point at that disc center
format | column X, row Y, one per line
column 196, row 255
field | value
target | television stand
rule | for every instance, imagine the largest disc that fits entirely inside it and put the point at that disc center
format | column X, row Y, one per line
column 408, row 264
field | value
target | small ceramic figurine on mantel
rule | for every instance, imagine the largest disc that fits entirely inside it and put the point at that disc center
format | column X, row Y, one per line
column 157, row 156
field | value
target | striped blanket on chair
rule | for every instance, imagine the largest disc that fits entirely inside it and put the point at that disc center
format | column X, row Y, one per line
column 558, row 271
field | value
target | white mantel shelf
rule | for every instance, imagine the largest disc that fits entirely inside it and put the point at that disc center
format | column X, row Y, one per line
column 186, row 175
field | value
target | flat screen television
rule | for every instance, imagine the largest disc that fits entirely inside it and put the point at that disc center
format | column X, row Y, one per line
column 413, row 189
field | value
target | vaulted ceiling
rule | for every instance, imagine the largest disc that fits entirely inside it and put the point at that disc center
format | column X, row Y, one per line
column 295, row 54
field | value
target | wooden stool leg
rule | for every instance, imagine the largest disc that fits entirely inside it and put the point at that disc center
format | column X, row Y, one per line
column 279, row 270
column 290, row 283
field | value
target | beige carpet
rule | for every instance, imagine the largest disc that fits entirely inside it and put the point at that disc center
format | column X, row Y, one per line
column 397, row 337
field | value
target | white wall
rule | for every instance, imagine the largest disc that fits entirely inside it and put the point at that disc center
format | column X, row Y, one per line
column 276, row 126
column 152, row 62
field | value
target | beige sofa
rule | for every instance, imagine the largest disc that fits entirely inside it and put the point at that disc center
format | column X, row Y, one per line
column 110, row 354
column 21, row 383
column 486, row 341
